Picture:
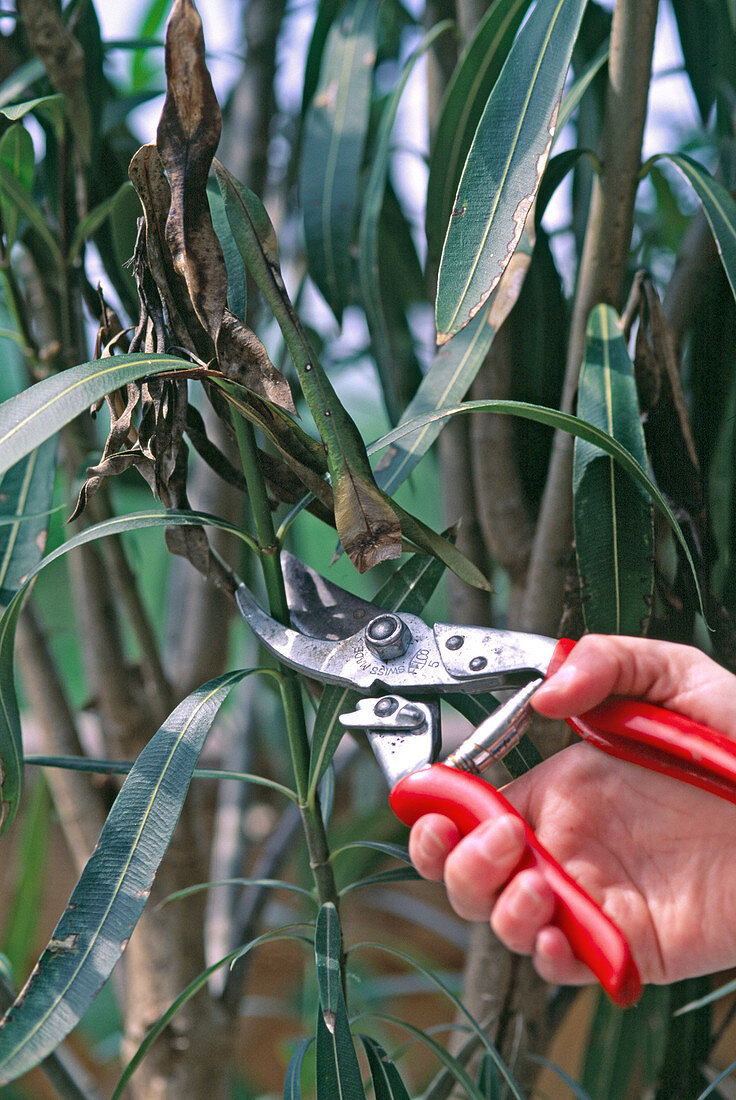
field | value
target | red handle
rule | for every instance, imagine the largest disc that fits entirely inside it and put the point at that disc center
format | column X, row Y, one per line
column 658, row 739
column 467, row 800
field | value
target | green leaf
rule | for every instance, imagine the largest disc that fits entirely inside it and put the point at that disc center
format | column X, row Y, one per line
column 326, row 14
column 566, row 422
column 25, row 898
column 389, row 366
column 269, row 883
column 89, row 225
column 327, row 951
column 122, row 767
column 338, row 1073
column 39, row 412
column 398, row 851
column 293, row 1078
column 333, row 142
column 614, row 533
column 476, row 708
column 51, row 107
column 487, row 1045
column 708, row 45
column 366, row 520
column 11, row 742
column 718, row 207
column 509, row 151
column 387, row 1083
column 113, row 888
column 577, row 1091
column 186, row 995
column 382, row 878
column 577, row 90
column 615, row 1049
column 18, row 82
column 449, row 1061
column 26, row 492
column 452, row 371
column 488, row 1079
column 465, row 99
column 17, row 154
column 236, row 289
column 14, row 193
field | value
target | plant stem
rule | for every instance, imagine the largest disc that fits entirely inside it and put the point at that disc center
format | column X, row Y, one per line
column 296, row 727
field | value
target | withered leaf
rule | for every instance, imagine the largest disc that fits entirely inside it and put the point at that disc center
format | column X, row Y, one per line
column 282, row 481
column 368, row 527
column 244, row 359
column 187, row 137
column 147, row 175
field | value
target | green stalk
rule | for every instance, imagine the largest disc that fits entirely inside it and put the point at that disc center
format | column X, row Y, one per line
column 296, row 727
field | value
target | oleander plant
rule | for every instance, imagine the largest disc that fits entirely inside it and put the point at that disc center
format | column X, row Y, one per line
column 438, row 296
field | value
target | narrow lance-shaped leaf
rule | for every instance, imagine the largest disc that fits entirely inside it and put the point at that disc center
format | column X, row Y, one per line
column 614, row 536
column 94, row 219
column 366, row 521
column 236, row 288
column 16, row 153
column 505, row 163
column 453, row 370
column 327, row 10
column 387, row 1083
column 718, row 207
column 567, row 423
column 338, row 1072
column 11, row 744
column 368, row 237
column 49, row 106
column 26, row 492
column 293, row 1078
column 113, row 889
column 187, row 137
column 39, row 412
column 14, row 192
column 465, row 99
column 335, row 129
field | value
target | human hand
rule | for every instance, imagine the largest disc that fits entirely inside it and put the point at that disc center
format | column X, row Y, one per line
column 656, row 854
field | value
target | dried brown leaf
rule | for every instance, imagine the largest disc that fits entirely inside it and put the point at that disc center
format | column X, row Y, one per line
column 187, row 137
column 368, row 527
column 147, row 175
column 244, row 359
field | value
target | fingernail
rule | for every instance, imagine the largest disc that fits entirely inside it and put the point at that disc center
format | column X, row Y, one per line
column 564, row 676
column 525, row 898
column 431, row 844
column 502, row 835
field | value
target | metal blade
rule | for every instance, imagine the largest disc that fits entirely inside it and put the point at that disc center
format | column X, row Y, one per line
column 320, row 608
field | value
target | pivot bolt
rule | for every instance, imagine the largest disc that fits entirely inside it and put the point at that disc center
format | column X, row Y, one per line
column 387, row 637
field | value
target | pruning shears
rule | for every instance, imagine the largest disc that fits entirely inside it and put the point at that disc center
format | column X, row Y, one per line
column 403, row 666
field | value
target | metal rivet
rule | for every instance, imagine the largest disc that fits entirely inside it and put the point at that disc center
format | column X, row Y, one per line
column 327, row 412
column 387, row 705
column 455, row 642
column 387, row 637
column 307, row 367
column 382, row 627
column 477, row 664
